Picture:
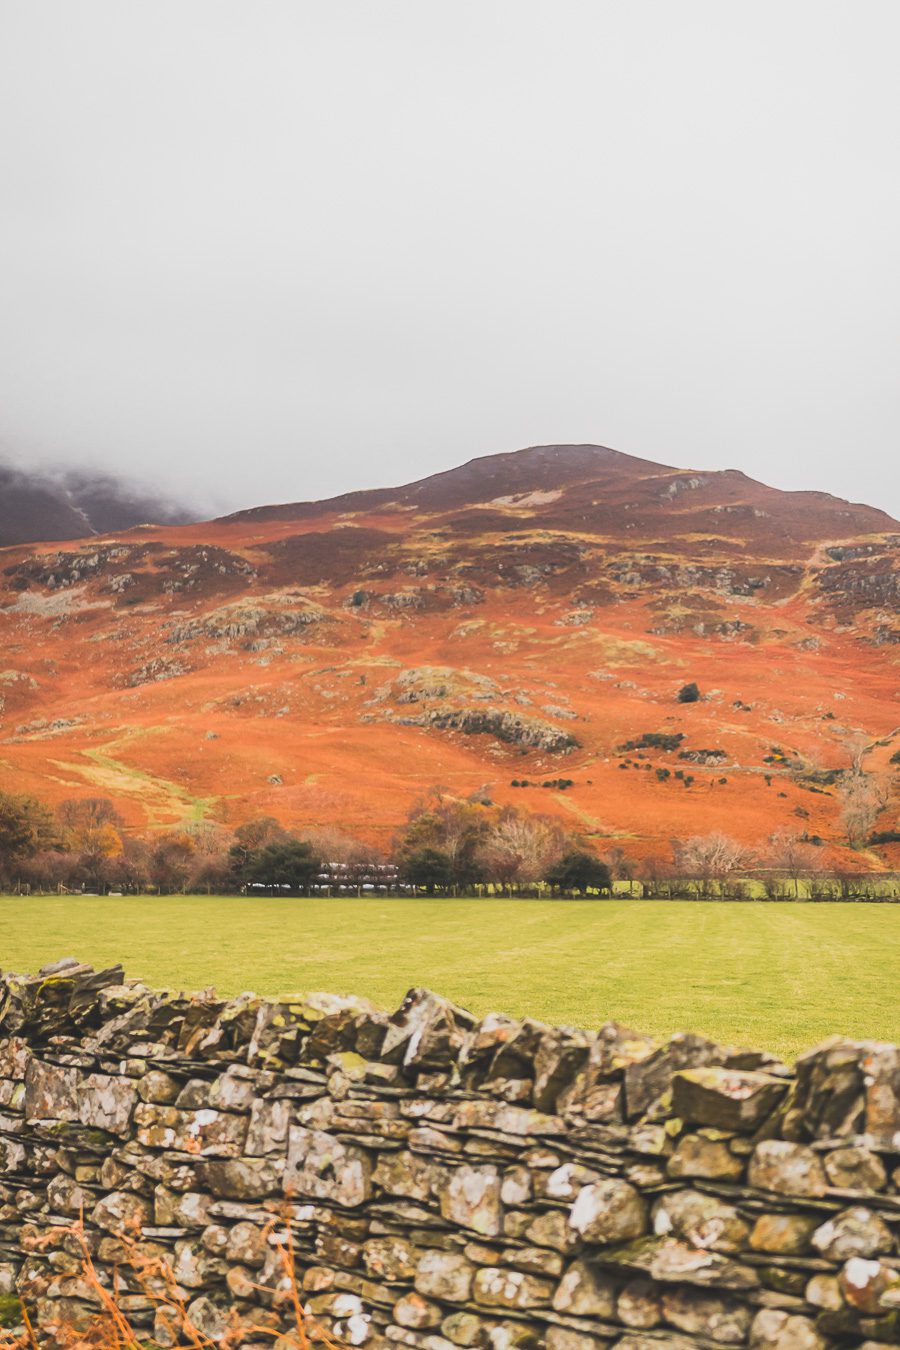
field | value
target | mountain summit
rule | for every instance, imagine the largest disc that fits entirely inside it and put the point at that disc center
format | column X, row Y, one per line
column 593, row 485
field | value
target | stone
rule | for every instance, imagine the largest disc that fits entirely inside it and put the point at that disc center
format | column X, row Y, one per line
column 243, row 1178
column 426, row 1031
column 444, row 1275
column 782, row 1280
column 195, row 1267
column 565, row 1182
column 550, row 1229
column 335, row 1250
column 509, row 1119
column 775, row 1329
column 697, row 1156
column 390, row 1258
column 609, row 1211
column 322, row 1168
column 215, row 1239
column 670, row 1261
column 648, row 1079
column 824, row 1291
column 510, row 1334
column 853, row 1232
column 516, row 1186
column 188, row 1210
column 700, row 1219
column 869, row 1285
column 427, row 1140
column 597, row 1102
column 787, row 1168
column 562, row 1052
column 567, row 1338
column 246, row 1244
column 318, row 1279
column 585, row 1291
column 704, row 1314
column 634, row 1340
column 12, row 1156
column 205, row 1132
column 51, row 1092
column 106, row 1103
column 496, row 1288
column 158, row 1087
column 639, row 1304
column 645, row 1176
column 121, row 1212
column 882, row 1091
column 464, row 1328
column 167, row 1328
column 782, row 1234
column 855, row 1169
column 416, row 1312
column 234, row 1090
column 472, row 1200
column 65, row 1196
column 725, row 1099
column 828, row 1098
column 408, row 1174
column 208, row 1317
column 534, row 1261
column 241, row 1282
column 352, row 1325
column 268, row 1128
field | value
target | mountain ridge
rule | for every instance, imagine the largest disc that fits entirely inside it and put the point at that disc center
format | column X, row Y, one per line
column 548, row 456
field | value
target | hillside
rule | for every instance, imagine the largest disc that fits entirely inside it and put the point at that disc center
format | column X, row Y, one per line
column 36, row 506
column 523, row 617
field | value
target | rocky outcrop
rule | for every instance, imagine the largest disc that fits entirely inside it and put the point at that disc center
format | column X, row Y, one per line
column 244, row 619
column 444, row 696
column 511, row 728
column 445, row 1181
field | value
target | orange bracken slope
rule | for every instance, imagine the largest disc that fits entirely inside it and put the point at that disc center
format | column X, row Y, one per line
column 521, row 617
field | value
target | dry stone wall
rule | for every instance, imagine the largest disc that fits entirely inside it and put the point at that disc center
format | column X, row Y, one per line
column 446, row 1182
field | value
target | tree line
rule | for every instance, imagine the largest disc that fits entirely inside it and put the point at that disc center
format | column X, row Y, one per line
column 448, row 846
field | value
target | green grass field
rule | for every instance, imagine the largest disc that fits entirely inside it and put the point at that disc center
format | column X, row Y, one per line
column 778, row 976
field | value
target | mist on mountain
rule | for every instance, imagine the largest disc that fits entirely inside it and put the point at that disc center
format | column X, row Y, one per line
column 42, row 505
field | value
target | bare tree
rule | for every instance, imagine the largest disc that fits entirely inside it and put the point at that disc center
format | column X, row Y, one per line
column 711, row 857
column 795, row 857
column 656, row 874
column 523, row 848
column 863, row 799
column 620, row 865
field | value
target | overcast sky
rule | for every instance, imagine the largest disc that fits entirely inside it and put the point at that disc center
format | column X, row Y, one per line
column 267, row 251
